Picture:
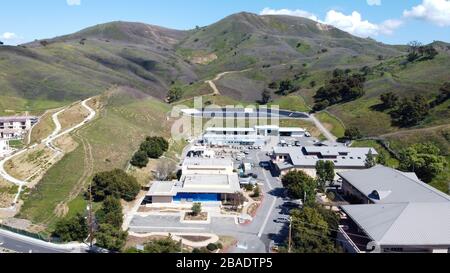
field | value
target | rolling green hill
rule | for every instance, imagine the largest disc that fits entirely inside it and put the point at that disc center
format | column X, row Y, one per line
column 137, row 64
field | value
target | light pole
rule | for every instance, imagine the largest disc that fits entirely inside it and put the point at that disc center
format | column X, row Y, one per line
column 290, row 235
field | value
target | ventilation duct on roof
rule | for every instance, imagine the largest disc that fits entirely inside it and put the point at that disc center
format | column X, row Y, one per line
column 379, row 195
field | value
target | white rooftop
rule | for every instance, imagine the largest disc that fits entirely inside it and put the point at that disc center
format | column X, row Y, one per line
column 404, row 224
column 385, row 185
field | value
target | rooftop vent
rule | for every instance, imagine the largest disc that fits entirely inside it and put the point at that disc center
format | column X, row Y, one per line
column 379, row 195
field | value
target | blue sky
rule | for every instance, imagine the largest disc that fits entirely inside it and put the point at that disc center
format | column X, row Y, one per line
column 394, row 22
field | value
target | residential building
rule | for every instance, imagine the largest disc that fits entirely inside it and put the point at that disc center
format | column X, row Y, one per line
column 286, row 159
column 15, row 126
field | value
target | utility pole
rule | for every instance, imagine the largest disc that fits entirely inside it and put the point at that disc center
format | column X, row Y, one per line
column 91, row 224
column 290, row 235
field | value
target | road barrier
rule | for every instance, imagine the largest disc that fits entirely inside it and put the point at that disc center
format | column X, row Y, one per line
column 38, row 236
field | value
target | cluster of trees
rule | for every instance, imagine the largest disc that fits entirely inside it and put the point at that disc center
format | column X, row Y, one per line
column 174, row 94
column 165, row 245
column 74, row 229
column 284, row 87
column 169, row 246
column 343, row 87
column 417, row 51
column 116, row 183
column 107, row 188
column 109, row 234
column 314, row 230
column 443, row 96
column 424, row 159
column 410, row 112
column 152, row 147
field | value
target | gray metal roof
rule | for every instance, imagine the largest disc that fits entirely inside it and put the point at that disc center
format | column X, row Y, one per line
column 344, row 157
column 404, row 224
column 393, row 185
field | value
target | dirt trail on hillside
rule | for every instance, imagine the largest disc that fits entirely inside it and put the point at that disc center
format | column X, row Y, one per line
column 219, row 76
column 416, row 130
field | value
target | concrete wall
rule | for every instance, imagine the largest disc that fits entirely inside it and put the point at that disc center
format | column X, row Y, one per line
column 161, row 199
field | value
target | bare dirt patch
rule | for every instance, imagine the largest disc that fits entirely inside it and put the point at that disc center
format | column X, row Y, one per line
column 132, row 241
column 43, row 128
column 72, row 116
column 30, row 163
column 7, row 193
column 203, row 216
column 195, row 239
column 204, row 59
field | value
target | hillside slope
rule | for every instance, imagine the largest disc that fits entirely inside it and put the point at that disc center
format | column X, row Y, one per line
column 89, row 62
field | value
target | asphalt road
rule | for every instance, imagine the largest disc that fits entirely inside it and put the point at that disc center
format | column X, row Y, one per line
column 23, row 244
column 240, row 113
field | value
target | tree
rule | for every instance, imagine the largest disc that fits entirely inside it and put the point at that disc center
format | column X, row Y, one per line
column 72, row 229
column 414, row 50
column 325, row 173
column 1, row 43
column 299, row 185
column 44, row 43
column 286, row 87
column 237, row 200
column 164, row 170
column 196, row 209
column 310, row 232
column 273, row 85
column 381, row 159
column 321, row 105
column 341, row 88
column 116, row 183
column 256, row 192
column 424, row 159
column 411, row 112
column 166, row 245
column 139, row 159
column 110, row 212
column 110, row 237
column 162, row 142
column 152, row 148
column 390, row 100
column 443, row 96
column 266, row 97
column 353, row 133
column 175, row 93
column 370, row 160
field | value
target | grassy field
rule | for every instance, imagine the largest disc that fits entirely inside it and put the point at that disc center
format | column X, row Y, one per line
column 39, row 206
column 108, row 142
column 333, row 124
column 43, row 129
column 293, row 103
column 390, row 160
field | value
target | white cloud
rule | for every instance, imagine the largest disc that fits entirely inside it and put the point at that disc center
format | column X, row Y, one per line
column 374, row 2
column 352, row 23
column 73, row 2
column 9, row 36
column 389, row 26
column 297, row 12
column 435, row 11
